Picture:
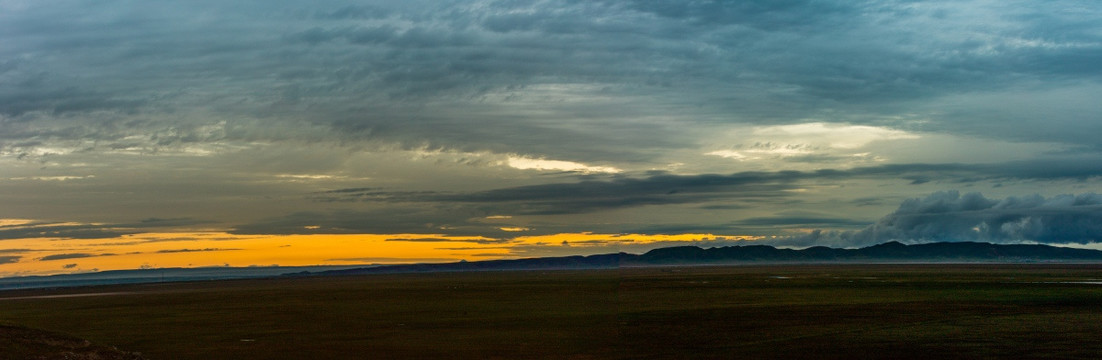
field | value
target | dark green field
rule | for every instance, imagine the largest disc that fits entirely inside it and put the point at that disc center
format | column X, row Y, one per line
column 827, row 311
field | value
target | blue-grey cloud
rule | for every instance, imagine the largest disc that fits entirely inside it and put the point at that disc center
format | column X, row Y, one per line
column 9, row 259
column 421, row 72
column 950, row 216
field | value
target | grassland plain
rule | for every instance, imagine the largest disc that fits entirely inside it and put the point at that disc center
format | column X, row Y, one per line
column 791, row 311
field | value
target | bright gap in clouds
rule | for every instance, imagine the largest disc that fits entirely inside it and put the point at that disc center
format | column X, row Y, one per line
column 840, row 136
column 525, row 163
column 814, row 138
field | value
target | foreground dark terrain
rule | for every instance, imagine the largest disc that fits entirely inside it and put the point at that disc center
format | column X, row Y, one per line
column 18, row 342
column 811, row 311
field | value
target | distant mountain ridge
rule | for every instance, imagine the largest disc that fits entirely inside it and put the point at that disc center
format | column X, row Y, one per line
column 750, row 254
column 892, row 252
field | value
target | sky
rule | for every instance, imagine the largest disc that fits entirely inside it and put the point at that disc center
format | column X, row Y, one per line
column 214, row 133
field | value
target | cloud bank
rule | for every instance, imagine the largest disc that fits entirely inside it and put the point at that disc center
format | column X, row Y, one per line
column 950, row 216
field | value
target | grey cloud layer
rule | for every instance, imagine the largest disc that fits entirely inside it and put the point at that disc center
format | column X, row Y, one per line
column 460, row 213
column 666, row 189
column 473, row 75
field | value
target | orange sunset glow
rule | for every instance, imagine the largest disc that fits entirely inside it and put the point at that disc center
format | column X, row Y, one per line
column 205, row 249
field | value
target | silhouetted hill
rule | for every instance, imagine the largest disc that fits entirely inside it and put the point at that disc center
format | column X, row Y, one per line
column 891, row 251
column 692, row 255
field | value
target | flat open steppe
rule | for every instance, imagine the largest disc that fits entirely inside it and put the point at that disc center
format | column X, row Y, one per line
column 925, row 311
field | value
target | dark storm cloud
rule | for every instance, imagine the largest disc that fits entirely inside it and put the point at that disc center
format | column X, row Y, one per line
column 685, row 228
column 800, row 221
column 587, row 196
column 64, row 231
column 868, row 201
column 419, row 73
column 458, row 213
column 668, row 189
column 90, row 231
column 371, row 194
column 950, row 216
column 593, row 195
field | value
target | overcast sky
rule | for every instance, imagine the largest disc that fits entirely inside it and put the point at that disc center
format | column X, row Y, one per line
column 629, row 124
